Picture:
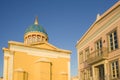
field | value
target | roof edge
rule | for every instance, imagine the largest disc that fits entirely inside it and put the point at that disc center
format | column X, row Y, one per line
column 22, row 44
column 101, row 17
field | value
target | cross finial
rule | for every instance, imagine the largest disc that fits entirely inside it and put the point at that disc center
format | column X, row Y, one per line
column 36, row 20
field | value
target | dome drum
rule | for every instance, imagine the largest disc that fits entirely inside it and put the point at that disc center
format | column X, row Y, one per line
column 35, row 37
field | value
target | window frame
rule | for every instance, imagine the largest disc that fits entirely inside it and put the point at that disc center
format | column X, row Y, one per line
column 87, row 53
column 108, row 36
column 99, row 50
column 117, row 75
column 81, row 57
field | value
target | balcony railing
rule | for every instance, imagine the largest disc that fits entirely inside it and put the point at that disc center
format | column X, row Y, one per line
column 97, row 56
column 107, row 77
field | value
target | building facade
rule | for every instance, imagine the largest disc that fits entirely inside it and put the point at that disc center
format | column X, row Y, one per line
column 99, row 48
column 74, row 78
column 1, row 78
column 35, row 58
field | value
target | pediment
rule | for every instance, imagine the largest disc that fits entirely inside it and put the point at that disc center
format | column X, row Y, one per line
column 45, row 45
column 40, row 45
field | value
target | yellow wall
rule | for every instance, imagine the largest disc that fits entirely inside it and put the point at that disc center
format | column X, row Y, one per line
column 40, row 68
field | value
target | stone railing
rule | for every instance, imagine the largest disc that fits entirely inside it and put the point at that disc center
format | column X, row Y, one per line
column 97, row 55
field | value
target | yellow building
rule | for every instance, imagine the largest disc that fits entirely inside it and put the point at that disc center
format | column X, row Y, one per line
column 36, row 58
column 99, row 48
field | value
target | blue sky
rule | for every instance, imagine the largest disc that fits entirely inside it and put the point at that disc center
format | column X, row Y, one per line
column 64, row 20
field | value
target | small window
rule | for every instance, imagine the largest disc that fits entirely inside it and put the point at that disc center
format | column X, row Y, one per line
column 82, row 75
column 80, row 57
column 114, row 69
column 87, row 74
column 87, row 53
column 38, row 38
column 113, row 41
column 34, row 38
column 29, row 39
column 98, row 45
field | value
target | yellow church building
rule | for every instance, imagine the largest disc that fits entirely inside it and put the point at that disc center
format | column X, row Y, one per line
column 35, row 58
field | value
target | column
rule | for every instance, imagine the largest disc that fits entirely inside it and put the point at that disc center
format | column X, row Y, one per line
column 93, row 73
column 5, row 71
column 69, row 71
column 106, row 69
column 10, row 63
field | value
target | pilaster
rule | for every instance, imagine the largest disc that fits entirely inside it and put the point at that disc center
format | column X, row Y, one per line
column 106, row 70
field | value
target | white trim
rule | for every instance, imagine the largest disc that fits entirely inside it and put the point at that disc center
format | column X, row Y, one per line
column 69, row 71
column 19, row 70
column 39, row 52
column 8, row 65
column 91, row 38
column 5, row 71
column 10, row 69
column 43, row 60
column 94, row 67
column 92, row 26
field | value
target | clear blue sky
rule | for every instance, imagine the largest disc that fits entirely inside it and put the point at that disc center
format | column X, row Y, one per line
column 64, row 20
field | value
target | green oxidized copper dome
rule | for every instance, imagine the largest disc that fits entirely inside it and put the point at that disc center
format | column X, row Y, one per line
column 36, row 28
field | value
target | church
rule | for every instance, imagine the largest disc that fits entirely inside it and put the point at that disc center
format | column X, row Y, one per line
column 35, row 58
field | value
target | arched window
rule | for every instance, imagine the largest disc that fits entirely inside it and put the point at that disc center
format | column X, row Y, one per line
column 34, row 38
column 43, row 38
column 29, row 39
column 38, row 38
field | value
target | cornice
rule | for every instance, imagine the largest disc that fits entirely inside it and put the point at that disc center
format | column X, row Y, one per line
column 101, row 17
column 30, row 46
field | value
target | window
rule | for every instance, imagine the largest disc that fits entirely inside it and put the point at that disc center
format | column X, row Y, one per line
column 86, row 53
column 81, row 57
column 87, row 74
column 114, row 69
column 113, row 42
column 29, row 39
column 38, row 38
column 82, row 75
column 99, row 47
column 34, row 38
column 43, row 38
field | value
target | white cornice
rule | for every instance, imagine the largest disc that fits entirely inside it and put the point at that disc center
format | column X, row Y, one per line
column 38, row 51
column 101, row 17
column 35, row 47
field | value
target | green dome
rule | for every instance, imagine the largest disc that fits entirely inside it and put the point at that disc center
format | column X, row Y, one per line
column 35, row 28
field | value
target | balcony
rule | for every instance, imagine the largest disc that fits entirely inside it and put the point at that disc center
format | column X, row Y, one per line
column 106, row 77
column 97, row 56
